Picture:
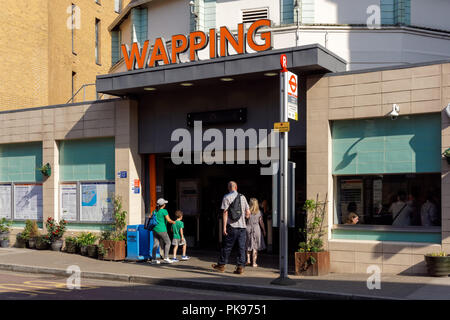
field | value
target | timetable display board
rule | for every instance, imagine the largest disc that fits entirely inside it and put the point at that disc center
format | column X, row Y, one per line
column 5, row 201
column 28, row 202
column 68, row 201
column 188, row 197
column 97, row 201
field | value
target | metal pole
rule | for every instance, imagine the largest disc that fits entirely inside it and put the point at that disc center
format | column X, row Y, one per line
column 283, row 188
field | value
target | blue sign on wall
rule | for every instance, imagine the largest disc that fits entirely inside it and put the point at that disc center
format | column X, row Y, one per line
column 122, row 174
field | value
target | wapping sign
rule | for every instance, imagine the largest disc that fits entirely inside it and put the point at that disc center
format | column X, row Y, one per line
column 146, row 57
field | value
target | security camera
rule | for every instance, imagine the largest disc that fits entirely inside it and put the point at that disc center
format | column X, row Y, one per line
column 395, row 111
column 447, row 110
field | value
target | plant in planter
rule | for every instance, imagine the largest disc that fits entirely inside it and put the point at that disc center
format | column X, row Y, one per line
column 21, row 239
column 86, row 239
column 4, row 242
column 5, row 227
column 446, row 154
column 46, row 170
column 43, row 242
column 71, row 244
column 33, row 232
column 113, row 242
column 101, row 250
column 311, row 259
column 55, row 231
column 438, row 264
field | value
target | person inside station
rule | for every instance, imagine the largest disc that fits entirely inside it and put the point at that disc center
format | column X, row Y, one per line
column 352, row 219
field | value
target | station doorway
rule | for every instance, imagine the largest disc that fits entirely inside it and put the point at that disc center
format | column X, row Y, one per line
column 212, row 183
column 202, row 230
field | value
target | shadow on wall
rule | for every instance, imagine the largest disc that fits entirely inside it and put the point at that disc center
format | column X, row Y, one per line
column 347, row 158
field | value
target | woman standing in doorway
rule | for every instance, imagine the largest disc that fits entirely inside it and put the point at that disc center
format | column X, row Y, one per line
column 255, row 239
column 160, row 231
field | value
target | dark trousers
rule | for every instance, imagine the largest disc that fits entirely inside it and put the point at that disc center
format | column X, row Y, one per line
column 238, row 235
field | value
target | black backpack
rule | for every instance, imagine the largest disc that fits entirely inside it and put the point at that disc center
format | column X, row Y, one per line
column 235, row 209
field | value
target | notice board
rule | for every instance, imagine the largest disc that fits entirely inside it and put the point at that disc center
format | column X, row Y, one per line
column 5, row 201
column 97, row 202
column 28, row 202
column 68, row 201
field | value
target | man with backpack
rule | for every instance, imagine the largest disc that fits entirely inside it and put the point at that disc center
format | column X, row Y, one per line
column 235, row 211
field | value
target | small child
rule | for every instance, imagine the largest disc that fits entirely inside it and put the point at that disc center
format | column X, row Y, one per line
column 178, row 237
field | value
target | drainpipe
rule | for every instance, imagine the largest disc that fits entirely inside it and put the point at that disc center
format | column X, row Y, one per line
column 297, row 9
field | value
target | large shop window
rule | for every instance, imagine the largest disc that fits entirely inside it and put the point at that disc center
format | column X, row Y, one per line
column 20, row 181
column 87, row 180
column 387, row 172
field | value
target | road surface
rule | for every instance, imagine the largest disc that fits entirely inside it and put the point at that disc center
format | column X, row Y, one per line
column 24, row 286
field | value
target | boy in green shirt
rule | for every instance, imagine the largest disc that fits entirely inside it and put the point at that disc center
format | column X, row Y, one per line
column 178, row 237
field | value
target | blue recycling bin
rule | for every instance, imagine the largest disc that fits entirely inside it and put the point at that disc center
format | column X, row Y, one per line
column 139, row 243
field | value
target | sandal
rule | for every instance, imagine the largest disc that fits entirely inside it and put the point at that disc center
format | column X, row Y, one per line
column 248, row 264
column 255, row 265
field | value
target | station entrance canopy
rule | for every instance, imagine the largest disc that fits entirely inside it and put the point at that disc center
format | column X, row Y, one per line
column 303, row 60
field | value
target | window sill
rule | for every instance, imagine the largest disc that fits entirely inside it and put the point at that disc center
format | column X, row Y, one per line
column 369, row 227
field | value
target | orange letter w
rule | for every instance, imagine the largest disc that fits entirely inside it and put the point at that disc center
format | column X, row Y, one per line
column 135, row 54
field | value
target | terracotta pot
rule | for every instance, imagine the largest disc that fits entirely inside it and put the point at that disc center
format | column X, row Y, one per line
column 115, row 250
column 312, row 263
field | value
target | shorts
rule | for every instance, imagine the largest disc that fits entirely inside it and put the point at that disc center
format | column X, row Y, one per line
column 178, row 242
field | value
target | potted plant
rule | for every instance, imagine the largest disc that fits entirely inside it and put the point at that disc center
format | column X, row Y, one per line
column 46, row 170
column 311, row 259
column 101, row 251
column 21, row 239
column 71, row 244
column 114, row 245
column 92, row 251
column 86, row 239
column 43, row 242
column 5, row 226
column 55, row 232
column 438, row 264
column 4, row 242
column 33, row 233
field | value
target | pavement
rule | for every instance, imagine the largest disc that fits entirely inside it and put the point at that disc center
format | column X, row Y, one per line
column 198, row 274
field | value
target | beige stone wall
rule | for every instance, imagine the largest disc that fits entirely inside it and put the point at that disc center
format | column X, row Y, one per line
column 113, row 118
column 367, row 95
column 24, row 63
column 63, row 62
column 37, row 59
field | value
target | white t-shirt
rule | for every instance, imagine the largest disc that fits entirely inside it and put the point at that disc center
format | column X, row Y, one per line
column 227, row 200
